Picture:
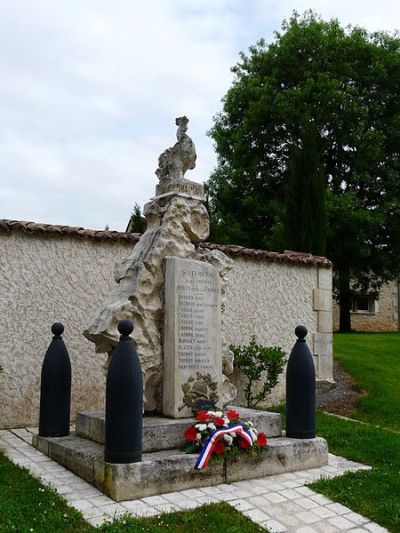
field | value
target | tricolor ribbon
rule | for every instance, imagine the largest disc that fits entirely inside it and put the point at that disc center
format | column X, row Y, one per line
column 213, row 438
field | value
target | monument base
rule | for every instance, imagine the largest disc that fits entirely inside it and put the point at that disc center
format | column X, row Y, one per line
column 168, row 469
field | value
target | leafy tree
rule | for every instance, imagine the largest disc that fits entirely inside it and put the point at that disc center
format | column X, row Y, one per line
column 137, row 222
column 346, row 84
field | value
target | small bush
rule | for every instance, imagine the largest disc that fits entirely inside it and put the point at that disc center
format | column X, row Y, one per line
column 258, row 363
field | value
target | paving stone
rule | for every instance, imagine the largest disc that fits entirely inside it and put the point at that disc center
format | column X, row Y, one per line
column 257, row 516
column 306, row 503
column 134, row 505
column 337, row 508
column 275, row 497
column 289, row 520
column 192, row 493
column 82, row 504
column 323, row 512
column 258, row 501
column 241, row 505
column 306, row 529
column 308, row 517
column 374, row 528
column 325, row 527
column 189, row 504
column 320, row 499
column 341, row 523
column 210, row 490
column 167, row 508
column 305, row 491
column 114, row 510
column 205, row 500
column 291, row 484
column 155, row 500
column 356, row 518
column 289, row 494
column 274, row 527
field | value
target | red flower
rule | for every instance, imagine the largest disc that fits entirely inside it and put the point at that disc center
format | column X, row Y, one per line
column 262, row 440
column 244, row 444
column 219, row 423
column 190, row 434
column 232, row 415
column 202, row 416
column 219, row 448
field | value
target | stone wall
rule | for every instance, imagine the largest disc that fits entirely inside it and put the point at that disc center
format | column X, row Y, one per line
column 44, row 279
column 384, row 317
column 270, row 299
column 64, row 275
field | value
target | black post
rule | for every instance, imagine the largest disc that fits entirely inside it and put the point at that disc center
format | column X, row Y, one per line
column 124, row 401
column 300, row 390
column 55, row 388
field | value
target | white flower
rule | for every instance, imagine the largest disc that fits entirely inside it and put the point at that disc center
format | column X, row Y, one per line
column 226, row 421
column 198, row 436
column 250, row 424
column 228, row 439
column 211, row 413
column 211, row 426
column 253, row 433
column 201, row 427
column 218, row 414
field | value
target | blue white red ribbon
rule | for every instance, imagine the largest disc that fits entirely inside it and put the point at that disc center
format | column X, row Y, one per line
column 213, row 438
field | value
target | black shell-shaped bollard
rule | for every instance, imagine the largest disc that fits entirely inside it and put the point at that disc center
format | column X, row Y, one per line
column 124, row 401
column 300, row 390
column 55, row 388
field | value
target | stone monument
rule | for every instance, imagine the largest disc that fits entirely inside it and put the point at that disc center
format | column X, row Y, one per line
column 150, row 290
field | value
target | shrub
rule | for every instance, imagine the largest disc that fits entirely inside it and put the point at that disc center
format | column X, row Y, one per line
column 258, row 363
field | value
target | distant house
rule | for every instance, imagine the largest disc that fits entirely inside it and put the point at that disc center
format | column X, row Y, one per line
column 370, row 314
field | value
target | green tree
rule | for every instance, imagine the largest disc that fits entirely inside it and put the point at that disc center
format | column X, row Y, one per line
column 346, row 83
column 137, row 222
column 304, row 216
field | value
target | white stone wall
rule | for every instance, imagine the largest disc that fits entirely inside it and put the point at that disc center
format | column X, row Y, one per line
column 44, row 279
column 269, row 300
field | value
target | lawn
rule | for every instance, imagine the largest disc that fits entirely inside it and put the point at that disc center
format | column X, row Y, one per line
column 373, row 361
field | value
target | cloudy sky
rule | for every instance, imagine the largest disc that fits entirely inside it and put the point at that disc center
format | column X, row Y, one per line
column 89, row 90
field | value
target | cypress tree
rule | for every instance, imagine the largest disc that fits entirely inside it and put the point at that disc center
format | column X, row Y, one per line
column 305, row 218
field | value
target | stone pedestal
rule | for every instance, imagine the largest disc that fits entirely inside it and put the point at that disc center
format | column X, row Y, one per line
column 192, row 334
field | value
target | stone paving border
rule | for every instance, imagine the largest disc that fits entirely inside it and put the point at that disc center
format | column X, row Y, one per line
column 280, row 503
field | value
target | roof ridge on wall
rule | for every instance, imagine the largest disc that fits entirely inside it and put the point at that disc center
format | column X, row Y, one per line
column 232, row 250
column 73, row 231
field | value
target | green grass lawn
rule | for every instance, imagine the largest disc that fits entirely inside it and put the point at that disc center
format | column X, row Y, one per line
column 373, row 359
column 374, row 362
column 28, row 506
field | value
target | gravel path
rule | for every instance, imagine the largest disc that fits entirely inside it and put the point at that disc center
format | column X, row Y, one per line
column 339, row 399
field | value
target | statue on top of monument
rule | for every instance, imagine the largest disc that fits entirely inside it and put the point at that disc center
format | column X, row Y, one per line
column 175, row 161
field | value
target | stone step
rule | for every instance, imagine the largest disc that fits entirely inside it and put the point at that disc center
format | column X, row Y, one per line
column 160, row 433
column 172, row 470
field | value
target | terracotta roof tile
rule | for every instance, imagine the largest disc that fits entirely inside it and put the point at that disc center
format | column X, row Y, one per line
column 232, row 250
column 286, row 257
column 73, row 231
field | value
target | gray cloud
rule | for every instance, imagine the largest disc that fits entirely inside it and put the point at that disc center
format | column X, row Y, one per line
column 89, row 92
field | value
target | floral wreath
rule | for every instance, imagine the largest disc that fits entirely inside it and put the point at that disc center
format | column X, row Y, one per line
column 217, row 435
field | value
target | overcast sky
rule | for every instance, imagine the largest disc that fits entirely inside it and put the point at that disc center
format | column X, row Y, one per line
column 89, row 92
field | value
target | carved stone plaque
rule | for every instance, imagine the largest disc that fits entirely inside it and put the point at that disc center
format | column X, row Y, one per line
column 192, row 333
